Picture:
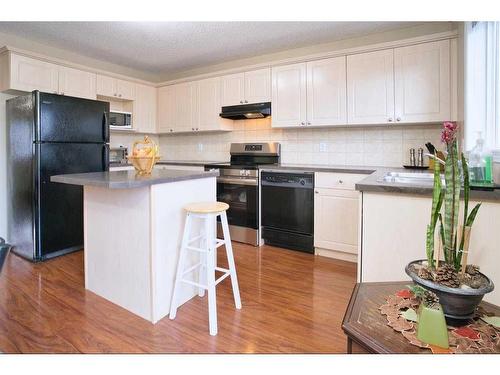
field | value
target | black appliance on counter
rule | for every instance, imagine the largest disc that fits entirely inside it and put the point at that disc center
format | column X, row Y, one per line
column 238, row 186
column 288, row 209
column 49, row 135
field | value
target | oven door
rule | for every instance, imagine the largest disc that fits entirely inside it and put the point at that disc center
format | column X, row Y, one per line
column 241, row 194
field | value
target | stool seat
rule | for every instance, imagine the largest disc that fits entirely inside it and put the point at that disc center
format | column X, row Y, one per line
column 206, row 207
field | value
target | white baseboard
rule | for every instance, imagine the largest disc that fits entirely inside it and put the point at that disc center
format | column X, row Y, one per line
column 336, row 254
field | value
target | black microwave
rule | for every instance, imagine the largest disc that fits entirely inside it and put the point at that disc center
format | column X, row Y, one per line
column 120, row 120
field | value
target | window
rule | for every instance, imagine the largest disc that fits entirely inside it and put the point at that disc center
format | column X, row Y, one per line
column 482, row 83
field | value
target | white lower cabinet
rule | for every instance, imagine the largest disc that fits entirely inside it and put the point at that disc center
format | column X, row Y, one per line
column 336, row 215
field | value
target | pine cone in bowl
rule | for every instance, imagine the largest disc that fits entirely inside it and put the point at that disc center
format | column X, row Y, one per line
column 447, row 276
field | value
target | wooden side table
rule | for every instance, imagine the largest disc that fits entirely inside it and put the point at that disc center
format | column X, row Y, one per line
column 366, row 328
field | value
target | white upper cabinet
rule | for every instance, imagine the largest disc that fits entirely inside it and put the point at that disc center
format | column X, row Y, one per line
column 165, row 109
column 326, row 92
column 74, row 82
column 144, row 112
column 370, row 87
column 209, row 99
column 289, row 86
column 233, row 89
column 258, row 86
column 115, row 88
column 422, row 82
column 248, row 87
column 27, row 74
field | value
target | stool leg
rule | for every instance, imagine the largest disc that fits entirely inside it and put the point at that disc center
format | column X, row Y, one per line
column 180, row 266
column 203, row 260
column 230, row 260
column 210, row 272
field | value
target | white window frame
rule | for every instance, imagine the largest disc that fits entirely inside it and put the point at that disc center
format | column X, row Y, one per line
column 482, row 83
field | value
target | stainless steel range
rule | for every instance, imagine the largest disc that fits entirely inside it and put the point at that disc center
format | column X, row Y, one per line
column 238, row 186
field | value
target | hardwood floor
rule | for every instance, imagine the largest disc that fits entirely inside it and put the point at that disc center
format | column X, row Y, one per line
column 292, row 303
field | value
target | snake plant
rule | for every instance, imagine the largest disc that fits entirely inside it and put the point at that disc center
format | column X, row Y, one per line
column 450, row 196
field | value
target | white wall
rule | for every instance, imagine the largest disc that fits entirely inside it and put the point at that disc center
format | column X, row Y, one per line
column 3, row 166
column 368, row 146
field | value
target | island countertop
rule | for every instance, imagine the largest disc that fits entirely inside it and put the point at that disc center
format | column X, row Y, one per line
column 129, row 179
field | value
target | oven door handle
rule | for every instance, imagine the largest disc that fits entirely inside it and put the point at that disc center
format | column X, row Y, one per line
column 238, row 181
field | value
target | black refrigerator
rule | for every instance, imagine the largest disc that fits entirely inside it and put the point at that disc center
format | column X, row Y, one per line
column 48, row 135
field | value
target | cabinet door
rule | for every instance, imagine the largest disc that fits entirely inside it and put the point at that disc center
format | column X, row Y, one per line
column 336, row 220
column 74, row 82
column 326, row 92
column 258, row 86
column 422, row 82
column 289, row 95
column 106, row 86
column 233, row 89
column 28, row 74
column 144, row 113
column 182, row 116
column 370, row 88
column 166, row 108
column 125, row 89
column 209, row 93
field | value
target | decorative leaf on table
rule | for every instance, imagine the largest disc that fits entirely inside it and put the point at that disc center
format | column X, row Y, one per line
column 492, row 320
column 411, row 336
column 404, row 293
column 401, row 325
column 438, row 350
column 404, row 304
column 394, row 300
column 410, row 314
column 467, row 332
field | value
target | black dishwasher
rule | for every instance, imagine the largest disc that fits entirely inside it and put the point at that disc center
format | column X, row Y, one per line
column 288, row 210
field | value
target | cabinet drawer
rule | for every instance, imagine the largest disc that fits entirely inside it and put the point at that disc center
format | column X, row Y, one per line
column 337, row 180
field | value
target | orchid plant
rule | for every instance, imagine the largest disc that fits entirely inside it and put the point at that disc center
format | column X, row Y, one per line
column 449, row 194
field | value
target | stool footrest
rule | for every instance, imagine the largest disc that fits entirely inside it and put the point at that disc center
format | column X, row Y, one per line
column 219, row 243
column 196, row 249
column 190, row 269
column 191, row 240
column 226, row 274
column 194, row 283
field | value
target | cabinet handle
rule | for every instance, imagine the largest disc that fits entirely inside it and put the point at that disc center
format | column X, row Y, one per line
column 192, row 129
column 341, row 182
column 114, row 94
column 196, row 129
column 390, row 119
column 241, row 101
column 246, row 101
column 398, row 119
column 308, row 123
column 171, row 130
column 119, row 95
column 316, row 192
column 302, row 123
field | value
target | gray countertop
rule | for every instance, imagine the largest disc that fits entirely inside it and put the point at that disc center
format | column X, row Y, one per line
column 129, row 179
column 373, row 183
column 172, row 162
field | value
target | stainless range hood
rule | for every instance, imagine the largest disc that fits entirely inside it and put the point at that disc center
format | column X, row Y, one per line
column 246, row 111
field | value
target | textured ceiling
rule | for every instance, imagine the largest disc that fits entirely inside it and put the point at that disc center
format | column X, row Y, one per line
column 171, row 47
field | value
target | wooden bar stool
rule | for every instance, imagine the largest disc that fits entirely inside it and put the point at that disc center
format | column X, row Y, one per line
column 208, row 212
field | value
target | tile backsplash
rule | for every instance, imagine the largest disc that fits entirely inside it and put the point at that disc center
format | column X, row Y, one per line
column 118, row 139
column 368, row 146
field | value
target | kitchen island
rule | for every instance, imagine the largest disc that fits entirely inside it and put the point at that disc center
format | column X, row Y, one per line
column 132, row 233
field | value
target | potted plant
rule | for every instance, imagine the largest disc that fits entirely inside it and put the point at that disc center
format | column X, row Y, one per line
column 459, row 286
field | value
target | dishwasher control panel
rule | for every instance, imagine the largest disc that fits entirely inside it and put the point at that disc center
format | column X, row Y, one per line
column 300, row 180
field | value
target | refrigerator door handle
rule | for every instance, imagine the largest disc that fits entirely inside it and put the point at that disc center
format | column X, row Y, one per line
column 105, row 157
column 105, row 127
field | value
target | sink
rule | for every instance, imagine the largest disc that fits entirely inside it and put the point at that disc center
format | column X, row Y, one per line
column 409, row 178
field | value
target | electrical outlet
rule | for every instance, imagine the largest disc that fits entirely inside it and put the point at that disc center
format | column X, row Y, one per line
column 323, row 147
column 200, row 147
